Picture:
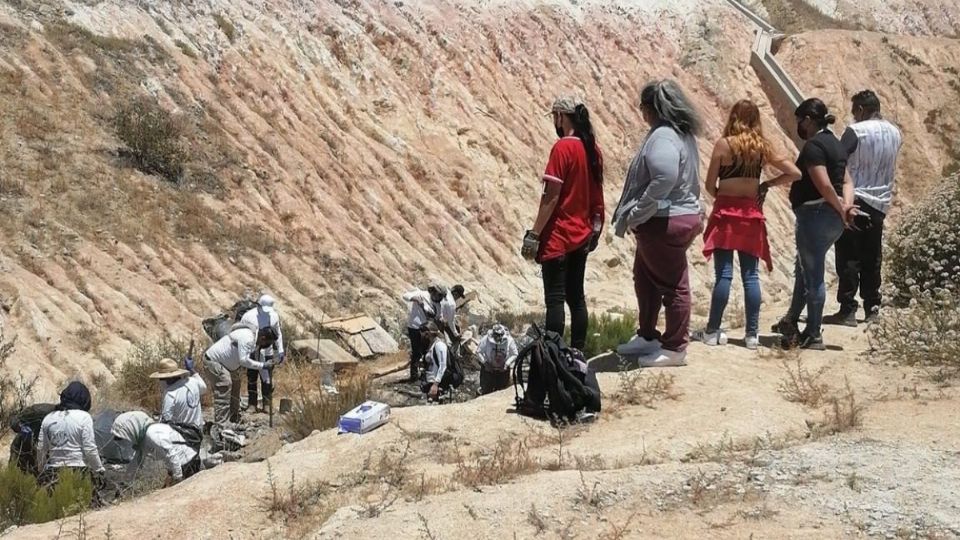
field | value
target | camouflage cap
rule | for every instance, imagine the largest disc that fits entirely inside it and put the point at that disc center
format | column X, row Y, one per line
column 566, row 104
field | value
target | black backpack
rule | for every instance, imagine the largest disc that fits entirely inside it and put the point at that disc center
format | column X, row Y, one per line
column 453, row 377
column 555, row 388
column 192, row 435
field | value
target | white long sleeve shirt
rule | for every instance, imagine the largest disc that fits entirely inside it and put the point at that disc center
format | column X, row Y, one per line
column 163, row 443
column 498, row 356
column 262, row 317
column 236, row 350
column 421, row 308
column 448, row 313
column 181, row 401
column 438, row 361
column 67, row 440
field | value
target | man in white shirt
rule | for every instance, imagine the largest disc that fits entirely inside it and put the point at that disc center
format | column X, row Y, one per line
column 873, row 145
column 182, row 390
column 158, row 441
column 223, row 360
column 264, row 315
column 434, row 304
column 67, row 439
column 498, row 353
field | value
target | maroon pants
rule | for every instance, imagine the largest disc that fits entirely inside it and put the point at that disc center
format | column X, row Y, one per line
column 660, row 277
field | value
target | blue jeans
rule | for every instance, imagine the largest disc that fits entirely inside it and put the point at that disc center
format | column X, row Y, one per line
column 818, row 227
column 750, row 274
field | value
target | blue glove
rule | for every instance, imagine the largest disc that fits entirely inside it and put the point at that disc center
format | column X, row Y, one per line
column 25, row 430
column 188, row 363
column 281, row 357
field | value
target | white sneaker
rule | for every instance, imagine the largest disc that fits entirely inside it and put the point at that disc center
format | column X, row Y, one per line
column 664, row 358
column 753, row 342
column 638, row 346
column 710, row 338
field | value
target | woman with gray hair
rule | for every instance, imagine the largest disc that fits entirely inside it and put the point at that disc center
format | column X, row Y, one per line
column 660, row 205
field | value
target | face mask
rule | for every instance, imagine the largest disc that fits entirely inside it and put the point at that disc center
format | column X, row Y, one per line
column 559, row 129
column 802, row 133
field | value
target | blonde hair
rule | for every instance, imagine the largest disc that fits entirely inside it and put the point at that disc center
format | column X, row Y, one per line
column 744, row 134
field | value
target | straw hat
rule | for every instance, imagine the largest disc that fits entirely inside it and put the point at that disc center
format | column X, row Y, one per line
column 168, row 369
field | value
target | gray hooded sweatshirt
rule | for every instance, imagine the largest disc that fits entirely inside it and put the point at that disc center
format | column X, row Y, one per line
column 663, row 180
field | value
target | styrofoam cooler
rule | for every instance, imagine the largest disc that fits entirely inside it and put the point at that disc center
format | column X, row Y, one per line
column 364, row 418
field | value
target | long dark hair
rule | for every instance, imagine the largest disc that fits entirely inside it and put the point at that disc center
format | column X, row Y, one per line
column 583, row 130
column 816, row 110
column 671, row 106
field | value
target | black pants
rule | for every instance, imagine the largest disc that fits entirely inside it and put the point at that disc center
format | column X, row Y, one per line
column 23, row 452
column 563, row 283
column 253, row 375
column 418, row 348
column 191, row 468
column 859, row 257
column 493, row 381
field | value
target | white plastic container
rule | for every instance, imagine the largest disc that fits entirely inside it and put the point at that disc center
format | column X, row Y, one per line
column 365, row 418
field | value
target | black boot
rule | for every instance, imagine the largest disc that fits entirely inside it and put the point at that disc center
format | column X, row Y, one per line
column 842, row 318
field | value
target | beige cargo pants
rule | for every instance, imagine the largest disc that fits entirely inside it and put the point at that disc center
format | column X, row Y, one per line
column 226, row 392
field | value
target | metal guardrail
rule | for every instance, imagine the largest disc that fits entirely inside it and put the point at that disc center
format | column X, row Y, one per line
column 763, row 61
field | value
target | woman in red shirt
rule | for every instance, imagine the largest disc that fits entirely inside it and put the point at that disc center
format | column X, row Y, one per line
column 570, row 218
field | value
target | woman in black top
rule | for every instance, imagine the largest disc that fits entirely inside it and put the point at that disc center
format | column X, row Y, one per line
column 823, row 203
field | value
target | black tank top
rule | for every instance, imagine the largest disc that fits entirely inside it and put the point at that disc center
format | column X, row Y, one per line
column 741, row 169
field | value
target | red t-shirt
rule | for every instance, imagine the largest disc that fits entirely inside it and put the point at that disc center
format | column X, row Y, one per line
column 581, row 198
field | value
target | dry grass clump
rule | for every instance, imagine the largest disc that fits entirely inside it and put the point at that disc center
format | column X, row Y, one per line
column 509, row 459
column 153, row 137
column 316, row 410
column 133, row 387
column 637, row 387
column 801, row 386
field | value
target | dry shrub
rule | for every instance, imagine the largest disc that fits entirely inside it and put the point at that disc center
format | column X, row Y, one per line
column 801, row 386
column 842, row 412
column 316, row 410
column 637, row 387
column 133, row 387
column 15, row 392
column 153, row 138
column 508, row 460
column 226, row 27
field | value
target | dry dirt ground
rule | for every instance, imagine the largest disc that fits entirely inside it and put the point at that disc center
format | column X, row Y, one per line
column 720, row 453
column 341, row 151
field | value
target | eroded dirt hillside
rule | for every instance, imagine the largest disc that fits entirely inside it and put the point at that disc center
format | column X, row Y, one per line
column 338, row 152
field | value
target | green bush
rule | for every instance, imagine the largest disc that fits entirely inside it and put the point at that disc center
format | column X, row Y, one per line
column 22, row 501
column 153, row 138
column 923, row 278
column 606, row 331
column 923, row 252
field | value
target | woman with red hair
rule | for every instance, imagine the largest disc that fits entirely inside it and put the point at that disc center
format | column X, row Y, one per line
column 737, row 223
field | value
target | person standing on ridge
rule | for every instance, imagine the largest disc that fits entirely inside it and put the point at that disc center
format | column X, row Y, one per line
column 263, row 316
column 660, row 204
column 737, row 223
column 570, row 218
column 872, row 144
column 822, row 201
